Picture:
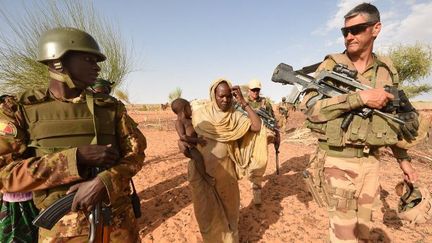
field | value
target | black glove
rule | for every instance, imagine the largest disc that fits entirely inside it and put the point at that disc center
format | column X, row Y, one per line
column 409, row 130
column 404, row 103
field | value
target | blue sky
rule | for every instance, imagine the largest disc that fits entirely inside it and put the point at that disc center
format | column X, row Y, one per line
column 189, row 43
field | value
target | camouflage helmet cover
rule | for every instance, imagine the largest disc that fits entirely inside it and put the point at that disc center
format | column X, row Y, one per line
column 54, row 43
column 415, row 205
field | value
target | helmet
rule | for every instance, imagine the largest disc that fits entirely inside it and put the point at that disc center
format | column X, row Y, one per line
column 254, row 84
column 54, row 43
column 415, row 205
column 284, row 99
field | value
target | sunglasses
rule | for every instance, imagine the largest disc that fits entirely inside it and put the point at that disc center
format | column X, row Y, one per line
column 356, row 29
column 255, row 90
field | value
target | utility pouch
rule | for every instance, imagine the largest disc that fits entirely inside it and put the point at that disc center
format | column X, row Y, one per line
column 382, row 132
column 358, row 129
column 334, row 132
column 314, row 177
column 316, row 127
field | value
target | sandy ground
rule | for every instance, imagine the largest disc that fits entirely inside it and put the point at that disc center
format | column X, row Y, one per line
column 288, row 213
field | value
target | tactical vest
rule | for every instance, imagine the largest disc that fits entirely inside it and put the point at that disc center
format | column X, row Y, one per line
column 262, row 103
column 54, row 125
column 372, row 131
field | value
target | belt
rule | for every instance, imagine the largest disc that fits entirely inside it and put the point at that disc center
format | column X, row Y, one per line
column 348, row 151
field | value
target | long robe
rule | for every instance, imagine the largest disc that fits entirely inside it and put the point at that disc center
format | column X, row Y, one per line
column 232, row 151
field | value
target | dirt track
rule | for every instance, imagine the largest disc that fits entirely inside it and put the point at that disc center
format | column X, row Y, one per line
column 288, row 213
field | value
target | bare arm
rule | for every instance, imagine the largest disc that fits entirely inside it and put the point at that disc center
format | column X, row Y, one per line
column 181, row 131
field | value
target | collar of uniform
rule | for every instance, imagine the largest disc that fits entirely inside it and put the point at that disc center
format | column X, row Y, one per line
column 257, row 100
column 372, row 65
column 78, row 99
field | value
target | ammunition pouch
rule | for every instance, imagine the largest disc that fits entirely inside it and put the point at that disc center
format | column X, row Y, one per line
column 371, row 131
column 322, row 192
column 340, row 198
column 382, row 132
column 314, row 177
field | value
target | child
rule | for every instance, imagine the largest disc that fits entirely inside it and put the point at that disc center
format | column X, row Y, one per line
column 188, row 137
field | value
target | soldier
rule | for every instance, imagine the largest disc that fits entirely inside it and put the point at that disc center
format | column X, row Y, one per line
column 63, row 132
column 284, row 109
column 347, row 160
column 17, row 208
column 256, row 102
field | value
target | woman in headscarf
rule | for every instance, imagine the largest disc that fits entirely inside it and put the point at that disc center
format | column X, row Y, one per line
column 232, row 140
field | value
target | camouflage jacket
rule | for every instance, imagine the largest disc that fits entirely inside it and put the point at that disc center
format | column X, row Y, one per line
column 379, row 73
column 261, row 102
column 284, row 108
column 22, row 171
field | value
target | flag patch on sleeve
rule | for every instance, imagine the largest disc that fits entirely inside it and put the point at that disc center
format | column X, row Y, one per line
column 7, row 129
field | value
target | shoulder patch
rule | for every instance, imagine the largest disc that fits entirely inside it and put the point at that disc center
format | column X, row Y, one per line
column 7, row 129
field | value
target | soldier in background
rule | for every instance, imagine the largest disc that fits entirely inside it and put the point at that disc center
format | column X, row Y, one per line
column 64, row 131
column 284, row 109
column 256, row 102
column 346, row 164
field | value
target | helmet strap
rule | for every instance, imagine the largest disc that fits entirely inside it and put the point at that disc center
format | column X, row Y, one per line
column 62, row 78
column 58, row 66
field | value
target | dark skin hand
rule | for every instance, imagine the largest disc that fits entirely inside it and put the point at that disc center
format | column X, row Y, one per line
column 92, row 192
column 88, row 194
column 97, row 155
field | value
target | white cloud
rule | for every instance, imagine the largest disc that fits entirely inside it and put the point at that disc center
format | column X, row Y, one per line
column 412, row 28
column 343, row 7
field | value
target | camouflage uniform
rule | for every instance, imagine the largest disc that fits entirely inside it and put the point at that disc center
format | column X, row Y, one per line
column 262, row 102
column 284, row 109
column 347, row 162
column 29, row 163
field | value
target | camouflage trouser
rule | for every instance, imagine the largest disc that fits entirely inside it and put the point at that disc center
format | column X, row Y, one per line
column 352, row 187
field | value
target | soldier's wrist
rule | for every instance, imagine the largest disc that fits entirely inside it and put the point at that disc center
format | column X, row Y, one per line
column 354, row 100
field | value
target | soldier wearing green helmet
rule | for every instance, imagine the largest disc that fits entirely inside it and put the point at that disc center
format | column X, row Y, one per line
column 62, row 133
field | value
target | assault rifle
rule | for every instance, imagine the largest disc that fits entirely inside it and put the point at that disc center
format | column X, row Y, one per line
column 51, row 215
column 266, row 118
column 270, row 123
column 342, row 82
column 99, row 218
